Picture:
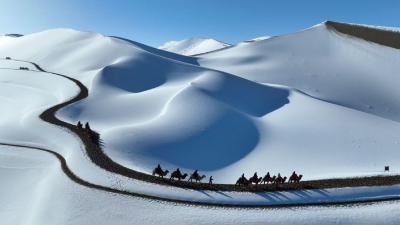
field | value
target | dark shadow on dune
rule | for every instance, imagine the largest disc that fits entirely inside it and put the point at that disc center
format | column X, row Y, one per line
column 171, row 55
column 247, row 96
column 304, row 195
column 228, row 139
column 135, row 75
column 223, row 194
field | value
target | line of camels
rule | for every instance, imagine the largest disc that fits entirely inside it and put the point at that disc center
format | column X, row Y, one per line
column 255, row 179
column 177, row 174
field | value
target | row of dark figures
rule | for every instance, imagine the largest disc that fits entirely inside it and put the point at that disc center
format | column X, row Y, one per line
column 255, row 179
column 93, row 135
column 177, row 174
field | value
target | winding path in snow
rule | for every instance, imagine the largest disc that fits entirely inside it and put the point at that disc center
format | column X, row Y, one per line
column 98, row 157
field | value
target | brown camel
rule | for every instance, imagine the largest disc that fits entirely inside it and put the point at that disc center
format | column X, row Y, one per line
column 295, row 178
column 196, row 176
column 159, row 171
column 280, row 180
column 177, row 174
column 242, row 181
column 268, row 179
column 255, row 179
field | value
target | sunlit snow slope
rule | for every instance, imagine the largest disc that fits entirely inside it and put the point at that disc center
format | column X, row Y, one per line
column 152, row 106
column 323, row 63
column 193, row 46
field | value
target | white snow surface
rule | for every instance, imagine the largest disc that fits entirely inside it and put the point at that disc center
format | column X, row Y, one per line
column 316, row 101
column 323, row 63
column 57, row 200
column 261, row 38
column 193, row 46
column 152, row 108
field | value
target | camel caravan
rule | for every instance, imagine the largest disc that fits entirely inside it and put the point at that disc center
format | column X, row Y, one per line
column 177, row 174
column 268, row 179
column 242, row 181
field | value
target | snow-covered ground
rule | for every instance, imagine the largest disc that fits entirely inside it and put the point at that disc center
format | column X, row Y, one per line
column 40, row 194
column 152, row 108
column 193, row 46
column 261, row 38
column 317, row 101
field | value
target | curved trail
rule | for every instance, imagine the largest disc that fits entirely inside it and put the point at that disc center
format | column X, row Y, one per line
column 67, row 171
column 99, row 158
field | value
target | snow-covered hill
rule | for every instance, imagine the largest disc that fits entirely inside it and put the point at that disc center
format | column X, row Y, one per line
column 261, row 38
column 193, row 46
column 152, row 107
column 317, row 101
column 322, row 63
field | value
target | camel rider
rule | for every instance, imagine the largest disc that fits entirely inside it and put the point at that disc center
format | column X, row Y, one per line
column 158, row 168
column 195, row 173
column 294, row 175
column 243, row 176
column 255, row 176
column 179, row 171
column 211, row 180
column 279, row 176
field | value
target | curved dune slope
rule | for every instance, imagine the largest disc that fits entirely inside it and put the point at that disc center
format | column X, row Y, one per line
column 151, row 107
column 323, row 63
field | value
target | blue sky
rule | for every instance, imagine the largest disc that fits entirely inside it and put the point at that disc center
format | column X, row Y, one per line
column 154, row 22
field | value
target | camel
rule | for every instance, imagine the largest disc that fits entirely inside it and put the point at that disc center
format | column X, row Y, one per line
column 268, row 179
column 177, row 174
column 242, row 181
column 295, row 178
column 160, row 172
column 280, row 180
column 196, row 177
column 255, row 179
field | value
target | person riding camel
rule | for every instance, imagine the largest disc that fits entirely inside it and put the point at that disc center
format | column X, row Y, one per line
column 196, row 173
column 255, row 176
column 279, row 176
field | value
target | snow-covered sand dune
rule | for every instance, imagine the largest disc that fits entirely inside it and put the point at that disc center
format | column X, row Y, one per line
column 316, row 101
column 323, row 63
column 154, row 108
column 193, row 46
